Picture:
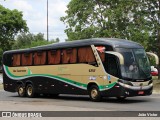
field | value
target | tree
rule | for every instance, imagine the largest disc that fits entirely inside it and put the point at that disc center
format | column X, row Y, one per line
column 11, row 23
column 131, row 19
column 96, row 18
column 57, row 40
column 28, row 40
column 39, row 37
column 23, row 40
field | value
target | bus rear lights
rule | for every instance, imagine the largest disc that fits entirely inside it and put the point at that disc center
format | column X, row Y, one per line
column 116, row 86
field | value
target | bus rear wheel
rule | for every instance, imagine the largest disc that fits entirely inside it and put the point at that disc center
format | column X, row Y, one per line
column 94, row 93
column 21, row 91
column 30, row 91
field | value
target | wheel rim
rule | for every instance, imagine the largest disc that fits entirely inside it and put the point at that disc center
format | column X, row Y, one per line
column 21, row 90
column 94, row 93
column 29, row 91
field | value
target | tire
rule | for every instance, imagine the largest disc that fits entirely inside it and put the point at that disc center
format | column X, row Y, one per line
column 21, row 90
column 30, row 91
column 95, row 94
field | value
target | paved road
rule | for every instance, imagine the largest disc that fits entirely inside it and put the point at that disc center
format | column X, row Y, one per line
column 70, row 102
column 11, row 102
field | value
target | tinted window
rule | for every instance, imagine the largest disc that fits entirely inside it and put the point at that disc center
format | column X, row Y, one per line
column 40, row 58
column 27, row 59
column 85, row 55
column 16, row 60
column 69, row 55
column 54, row 56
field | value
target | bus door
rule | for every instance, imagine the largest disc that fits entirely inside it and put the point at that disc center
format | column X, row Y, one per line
column 112, row 64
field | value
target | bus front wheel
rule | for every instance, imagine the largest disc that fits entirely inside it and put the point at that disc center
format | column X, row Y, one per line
column 94, row 93
column 30, row 91
column 21, row 90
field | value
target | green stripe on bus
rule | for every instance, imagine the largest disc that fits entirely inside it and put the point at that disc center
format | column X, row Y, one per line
column 101, row 87
column 46, row 75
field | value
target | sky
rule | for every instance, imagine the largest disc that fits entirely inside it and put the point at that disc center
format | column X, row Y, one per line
column 35, row 14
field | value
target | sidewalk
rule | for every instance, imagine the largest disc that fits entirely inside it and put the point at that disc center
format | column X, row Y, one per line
column 1, row 81
column 156, row 86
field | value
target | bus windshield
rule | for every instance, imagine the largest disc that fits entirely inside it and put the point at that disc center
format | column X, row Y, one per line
column 136, row 64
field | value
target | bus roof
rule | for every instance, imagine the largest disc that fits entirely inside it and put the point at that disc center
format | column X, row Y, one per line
column 114, row 42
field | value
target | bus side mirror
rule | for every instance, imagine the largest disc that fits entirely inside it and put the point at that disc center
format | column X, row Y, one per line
column 155, row 56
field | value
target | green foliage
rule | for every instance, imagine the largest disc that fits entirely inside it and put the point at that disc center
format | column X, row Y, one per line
column 11, row 23
column 135, row 20
column 97, row 18
column 1, row 53
column 152, row 61
column 29, row 40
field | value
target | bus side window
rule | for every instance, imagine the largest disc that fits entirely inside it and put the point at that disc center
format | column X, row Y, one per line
column 85, row 55
column 16, row 60
column 54, row 57
column 27, row 59
column 40, row 58
column 69, row 55
column 73, row 56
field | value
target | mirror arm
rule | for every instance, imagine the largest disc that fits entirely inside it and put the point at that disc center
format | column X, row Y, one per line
column 155, row 56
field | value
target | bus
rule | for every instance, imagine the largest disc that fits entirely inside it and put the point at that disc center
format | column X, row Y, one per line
column 98, row 67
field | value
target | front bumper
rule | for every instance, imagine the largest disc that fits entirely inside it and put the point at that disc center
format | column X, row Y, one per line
column 120, row 89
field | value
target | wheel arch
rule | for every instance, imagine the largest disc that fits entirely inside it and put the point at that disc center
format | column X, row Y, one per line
column 92, row 83
column 29, row 82
column 19, row 83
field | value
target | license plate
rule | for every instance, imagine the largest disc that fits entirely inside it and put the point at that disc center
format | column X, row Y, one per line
column 141, row 92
